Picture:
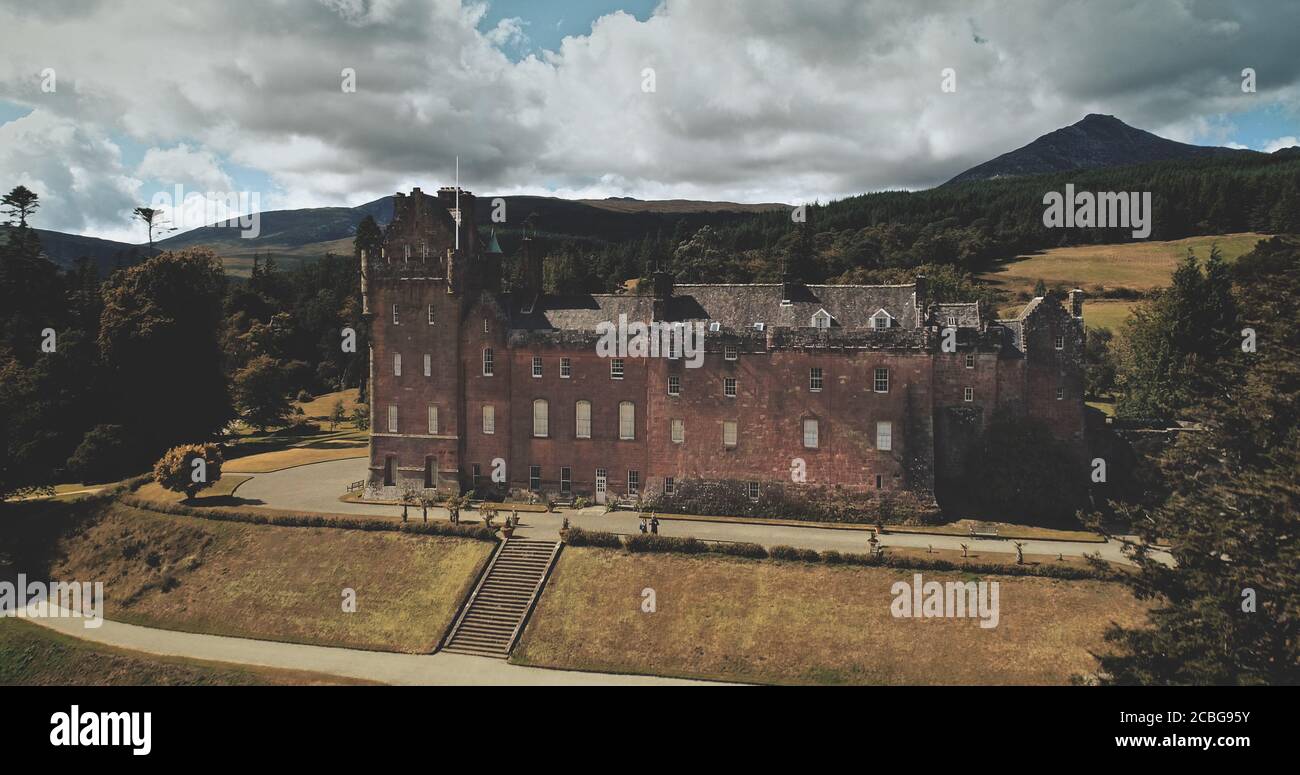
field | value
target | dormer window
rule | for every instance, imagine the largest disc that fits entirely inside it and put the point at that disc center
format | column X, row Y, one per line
column 715, row 326
column 881, row 320
column 952, row 321
column 759, row 326
column 821, row 320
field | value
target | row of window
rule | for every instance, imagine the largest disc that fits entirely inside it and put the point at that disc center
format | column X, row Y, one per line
column 627, row 422
column 397, row 314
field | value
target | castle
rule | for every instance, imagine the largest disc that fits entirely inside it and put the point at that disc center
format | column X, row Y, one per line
column 859, row 389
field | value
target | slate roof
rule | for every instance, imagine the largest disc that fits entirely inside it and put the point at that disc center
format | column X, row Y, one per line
column 967, row 313
column 735, row 307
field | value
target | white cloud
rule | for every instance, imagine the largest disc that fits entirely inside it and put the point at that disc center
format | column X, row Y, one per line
column 1280, row 143
column 761, row 101
column 197, row 169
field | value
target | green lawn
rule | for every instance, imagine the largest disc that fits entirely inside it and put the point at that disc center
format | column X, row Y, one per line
column 256, row 581
column 797, row 623
column 31, row 655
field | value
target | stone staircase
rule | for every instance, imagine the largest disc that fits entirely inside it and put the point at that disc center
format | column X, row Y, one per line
column 491, row 621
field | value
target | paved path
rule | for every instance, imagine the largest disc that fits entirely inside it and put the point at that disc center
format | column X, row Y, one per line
column 441, row 669
column 316, row 487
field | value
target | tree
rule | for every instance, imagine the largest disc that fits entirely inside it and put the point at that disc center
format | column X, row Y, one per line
column 1098, row 363
column 104, row 455
column 1227, row 611
column 189, row 468
column 152, row 220
column 20, row 202
column 260, row 395
column 361, row 417
column 1018, row 469
column 158, row 340
column 337, row 415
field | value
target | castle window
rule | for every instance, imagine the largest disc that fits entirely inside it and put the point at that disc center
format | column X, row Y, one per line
column 430, row 314
column 541, row 418
column 424, row 251
column 433, row 421
column 815, row 379
column 952, row 321
column 880, row 481
column 485, row 325
column 583, row 421
column 1060, row 394
column 535, row 478
column 406, row 252
column 674, row 385
column 729, row 387
column 729, row 433
column 884, row 436
column 753, row 491
column 389, row 464
column 882, row 381
column 429, row 482
column 397, row 364
column 729, row 352
column 679, row 431
column 1060, row 342
column 396, row 317
column 566, row 480
column 477, row 472
column 537, row 365
column 810, row 434
column 488, row 365
column 881, row 319
column 970, row 360
column 627, row 420
column 392, row 418
column 489, row 419
column 566, row 368
column 821, row 320
column 633, row 482
column 968, row 394
column 616, row 368
column 670, row 486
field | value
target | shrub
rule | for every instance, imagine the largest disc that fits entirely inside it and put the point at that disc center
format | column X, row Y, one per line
column 304, row 397
column 579, row 537
column 832, row 557
column 656, row 543
column 784, row 553
column 753, row 551
column 176, row 470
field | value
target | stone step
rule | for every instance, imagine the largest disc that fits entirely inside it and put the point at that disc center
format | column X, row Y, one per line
column 502, row 599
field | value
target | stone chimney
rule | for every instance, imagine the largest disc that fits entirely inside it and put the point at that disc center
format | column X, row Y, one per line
column 468, row 232
column 922, row 300
column 1076, row 303
column 532, row 269
column 662, row 283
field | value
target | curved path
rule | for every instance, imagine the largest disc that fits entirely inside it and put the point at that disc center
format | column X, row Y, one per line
column 317, row 486
column 441, row 669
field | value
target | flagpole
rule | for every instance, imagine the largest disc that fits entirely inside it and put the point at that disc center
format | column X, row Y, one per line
column 458, row 203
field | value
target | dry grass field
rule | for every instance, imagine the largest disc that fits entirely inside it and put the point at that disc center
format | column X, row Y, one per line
column 1140, row 266
column 274, row 583
column 31, row 655
column 797, row 623
column 266, row 462
column 319, row 408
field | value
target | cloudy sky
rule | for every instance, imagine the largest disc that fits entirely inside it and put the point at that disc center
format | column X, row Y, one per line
column 106, row 104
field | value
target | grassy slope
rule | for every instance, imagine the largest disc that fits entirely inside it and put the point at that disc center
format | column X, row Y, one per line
column 1140, row 266
column 775, row 622
column 275, row 583
column 31, row 655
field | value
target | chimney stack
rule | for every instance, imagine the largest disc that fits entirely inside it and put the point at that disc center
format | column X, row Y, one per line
column 532, row 269
column 922, row 300
column 663, row 291
column 1076, row 303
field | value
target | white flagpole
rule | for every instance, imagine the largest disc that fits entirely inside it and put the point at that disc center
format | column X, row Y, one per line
column 458, row 203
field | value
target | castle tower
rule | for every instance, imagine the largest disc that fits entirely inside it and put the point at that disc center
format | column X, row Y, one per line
column 416, row 291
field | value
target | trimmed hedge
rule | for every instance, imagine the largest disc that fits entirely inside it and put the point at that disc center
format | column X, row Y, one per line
column 576, row 536
column 752, row 551
column 649, row 542
column 476, row 532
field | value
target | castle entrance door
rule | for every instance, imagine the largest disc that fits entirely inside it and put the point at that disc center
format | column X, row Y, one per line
column 602, row 483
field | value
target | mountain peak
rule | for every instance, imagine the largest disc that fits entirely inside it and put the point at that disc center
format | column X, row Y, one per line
column 1097, row 140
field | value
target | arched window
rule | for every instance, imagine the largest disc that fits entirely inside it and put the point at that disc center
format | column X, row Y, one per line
column 627, row 420
column 541, row 418
column 582, row 427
